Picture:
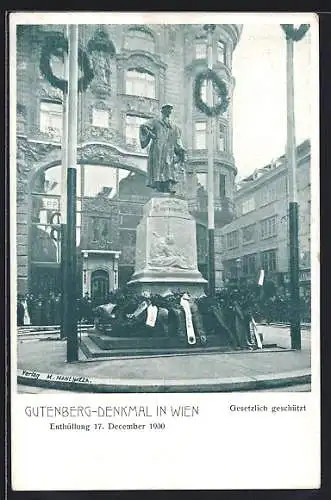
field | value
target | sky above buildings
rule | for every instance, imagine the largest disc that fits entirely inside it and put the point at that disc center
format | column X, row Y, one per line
column 259, row 101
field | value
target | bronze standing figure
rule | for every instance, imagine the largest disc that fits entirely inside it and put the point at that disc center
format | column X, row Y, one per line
column 166, row 153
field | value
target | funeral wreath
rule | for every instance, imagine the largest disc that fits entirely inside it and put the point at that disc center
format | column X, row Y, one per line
column 221, row 90
column 57, row 45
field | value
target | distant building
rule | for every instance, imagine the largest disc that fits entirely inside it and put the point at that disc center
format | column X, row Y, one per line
column 259, row 236
column 137, row 69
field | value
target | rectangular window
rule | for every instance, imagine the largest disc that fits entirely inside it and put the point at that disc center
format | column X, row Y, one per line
column 221, row 52
column 51, row 118
column 248, row 206
column 222, row 186
column 269, row 261
column 232, row 240
column 200, row 135
column 269, row 194
column 201, row 48
column 132, row 125
column 202, row 180
column 140, row 83
column 249, row 264
column 222, row 137
column 248, row 233
column 100, row 118
column 223, row 243
column 268, row 227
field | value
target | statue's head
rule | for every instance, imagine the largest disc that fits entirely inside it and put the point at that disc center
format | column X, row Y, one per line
column 166, row 110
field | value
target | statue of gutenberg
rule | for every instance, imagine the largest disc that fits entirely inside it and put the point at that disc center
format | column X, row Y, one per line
column 166, row 155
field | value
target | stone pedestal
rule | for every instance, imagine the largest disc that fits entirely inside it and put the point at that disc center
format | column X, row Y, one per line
column 166, row 249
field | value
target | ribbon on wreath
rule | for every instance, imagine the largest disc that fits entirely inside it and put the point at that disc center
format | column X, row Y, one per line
column 141, row 308
column 26, row 318
column 151, row 315
column 184, row 302
column 254, row 333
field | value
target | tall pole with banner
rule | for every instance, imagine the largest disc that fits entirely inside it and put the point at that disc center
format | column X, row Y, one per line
column 70, row 263
column 210, row 28
column 293, row 34
column 63, row 201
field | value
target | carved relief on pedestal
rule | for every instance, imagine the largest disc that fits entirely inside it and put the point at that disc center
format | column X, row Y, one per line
column 164, row 253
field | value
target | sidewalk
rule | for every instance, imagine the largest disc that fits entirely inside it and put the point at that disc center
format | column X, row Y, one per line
column 43, row 364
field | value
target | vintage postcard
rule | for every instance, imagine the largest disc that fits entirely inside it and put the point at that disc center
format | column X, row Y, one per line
column 164, row 251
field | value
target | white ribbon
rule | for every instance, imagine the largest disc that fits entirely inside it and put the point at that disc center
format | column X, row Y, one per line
column 151, row 315
column 253, row 329
column 139, row 309
column 26, row 318
column 191, row 339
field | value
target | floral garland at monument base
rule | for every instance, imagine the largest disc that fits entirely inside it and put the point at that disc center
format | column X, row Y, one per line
column 128, row 314
column 221, row 89
column 57, row 45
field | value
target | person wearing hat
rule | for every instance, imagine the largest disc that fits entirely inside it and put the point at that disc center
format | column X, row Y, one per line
column 166, row 154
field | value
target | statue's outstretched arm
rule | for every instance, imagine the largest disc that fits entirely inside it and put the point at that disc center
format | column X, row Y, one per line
column 146, row 134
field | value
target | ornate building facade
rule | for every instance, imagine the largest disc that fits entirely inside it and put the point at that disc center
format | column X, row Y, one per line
column 137, row 69
column 258, row 238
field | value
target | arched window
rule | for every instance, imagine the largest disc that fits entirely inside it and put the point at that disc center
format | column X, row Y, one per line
column 140, row 82
column 139, row 39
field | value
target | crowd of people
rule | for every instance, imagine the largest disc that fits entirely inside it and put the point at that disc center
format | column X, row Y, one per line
column 46, row 309
column 265, row 306
column 275, row 307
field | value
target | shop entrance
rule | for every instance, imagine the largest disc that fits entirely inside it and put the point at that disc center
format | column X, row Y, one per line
column 99, row 286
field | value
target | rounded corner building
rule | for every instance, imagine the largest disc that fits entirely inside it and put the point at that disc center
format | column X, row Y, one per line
column 137, row 68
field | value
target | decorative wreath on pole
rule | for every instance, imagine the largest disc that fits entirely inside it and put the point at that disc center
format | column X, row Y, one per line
column 57, row 45
column 221, row 90
column 293, row 33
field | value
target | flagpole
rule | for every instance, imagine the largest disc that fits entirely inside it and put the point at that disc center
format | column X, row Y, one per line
column 71, row 254
column 63, row 201
column 210, row 28
column 293, row 203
